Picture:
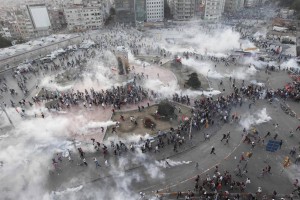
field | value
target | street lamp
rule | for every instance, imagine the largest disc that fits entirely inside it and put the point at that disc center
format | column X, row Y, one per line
column 208, row 79
column 2, row 107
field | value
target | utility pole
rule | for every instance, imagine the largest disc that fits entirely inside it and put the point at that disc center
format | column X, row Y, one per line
column 190, row 132
column 4, row 110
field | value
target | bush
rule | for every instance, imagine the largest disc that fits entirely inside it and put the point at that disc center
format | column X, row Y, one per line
column 166, row 109
column 148, row 123
column 194, row 81
column 4, row 42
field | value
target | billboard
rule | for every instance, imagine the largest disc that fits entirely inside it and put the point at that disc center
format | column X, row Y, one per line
column 39, row 16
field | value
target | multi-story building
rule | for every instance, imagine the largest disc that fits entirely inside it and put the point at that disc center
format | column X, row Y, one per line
column 11, row 30
column 183, row 9
column 155, row 10
column 57, row 18
column 125, row 12
column 251, row 3
column 231, row 6
column 81, row 18
column 214, row 9
column 5, row 32
column 140, row 10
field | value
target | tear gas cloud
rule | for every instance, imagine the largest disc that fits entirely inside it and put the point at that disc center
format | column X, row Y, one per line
column 259, row 117
column 292, row 63
column 26, row 153
column 197, row 40
column 168, row 90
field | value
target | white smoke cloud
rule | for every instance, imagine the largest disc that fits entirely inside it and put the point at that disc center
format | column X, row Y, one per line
column 259, row 117
column 193, row 39
column 171, row 163
column 290, row 63
column 204, row 68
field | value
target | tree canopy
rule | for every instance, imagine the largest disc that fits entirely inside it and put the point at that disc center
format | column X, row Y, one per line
column 193, row 81
column 4, row 42
column 165, row 108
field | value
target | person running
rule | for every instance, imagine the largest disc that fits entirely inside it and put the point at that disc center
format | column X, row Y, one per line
column 224, row 137
column 213, row 150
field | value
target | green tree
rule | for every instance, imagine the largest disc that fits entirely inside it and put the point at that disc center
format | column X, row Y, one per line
column 194, row 81
column 4, row 42
column 166, row 109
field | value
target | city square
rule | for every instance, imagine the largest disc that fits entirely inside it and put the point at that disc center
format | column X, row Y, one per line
column 188, row 108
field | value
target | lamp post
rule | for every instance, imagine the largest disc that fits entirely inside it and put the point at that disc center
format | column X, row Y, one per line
column 208, row 79
column 3, row 109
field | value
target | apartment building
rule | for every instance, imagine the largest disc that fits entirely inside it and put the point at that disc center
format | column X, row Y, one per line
column 125, row 12
column 183, row 9
column 251, row 3
column 214, row 9
column 232, row 6
column 81, row 18
column 155, row 10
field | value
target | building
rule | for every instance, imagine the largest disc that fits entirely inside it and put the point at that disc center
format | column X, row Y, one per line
column 214, row 9
column 125, row 12
column 155, row 10
column 251, row 3
column 37, row 21
column 80, row 18
column 5, row 32
column 286, row 13
column 232, row 6
column 57, row 19
column 140, row 10
column 183, row 9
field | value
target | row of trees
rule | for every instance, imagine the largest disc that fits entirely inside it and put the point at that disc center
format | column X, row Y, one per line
column 293, row 4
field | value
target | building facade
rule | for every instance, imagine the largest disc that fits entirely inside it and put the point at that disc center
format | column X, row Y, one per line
column 57, row 18
column 183, row 9
column 214, row 9
column 80, row 18
column 140, row 10
column 232, row 6
column 155, row 10
column 125, row 12
column 251, row 3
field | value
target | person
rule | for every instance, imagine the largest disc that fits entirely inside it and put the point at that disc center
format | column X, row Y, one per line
column 84, row 162
column 259, row 190
column 298, row 128
column 224, row 137
column 280, row 144
column 269, row 169
column 97, row 163
column 247, row 181
column 197, row 165
column 268, row 134
column 213, row 150
column 207, row 137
